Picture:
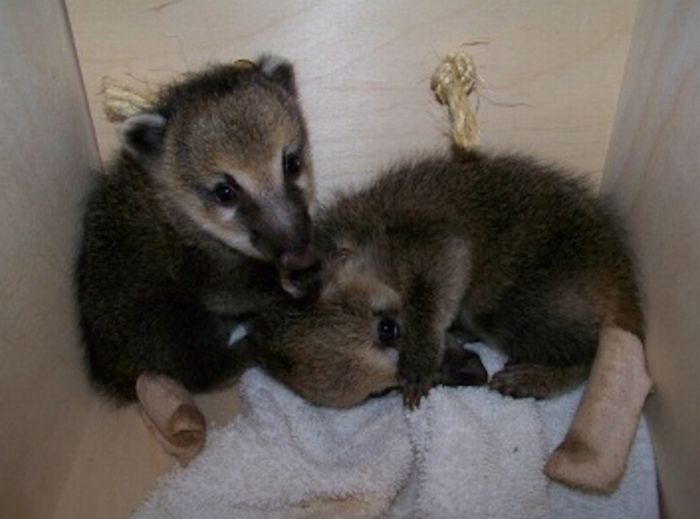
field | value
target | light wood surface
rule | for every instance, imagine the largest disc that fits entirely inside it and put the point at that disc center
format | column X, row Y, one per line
column 64, row 452
column 364, row 67
column 117, row 462
column 46, row 152
column 653, row 170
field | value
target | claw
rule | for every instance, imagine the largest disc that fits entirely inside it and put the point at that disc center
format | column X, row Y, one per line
column 520, row 380
column 413, row 393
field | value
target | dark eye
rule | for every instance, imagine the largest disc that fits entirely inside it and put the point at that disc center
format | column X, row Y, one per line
column 292, row 164
column 388, row 331
column 225, row 193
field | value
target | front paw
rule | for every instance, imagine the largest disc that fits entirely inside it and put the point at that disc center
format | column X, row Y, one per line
column 521, row 380
column 413, row 389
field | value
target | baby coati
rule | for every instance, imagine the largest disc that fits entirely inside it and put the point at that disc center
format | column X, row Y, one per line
column 201, row 218
column 521, row 254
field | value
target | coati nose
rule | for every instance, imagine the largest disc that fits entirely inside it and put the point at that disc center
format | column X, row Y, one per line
column 296, row 246
column 298, row 255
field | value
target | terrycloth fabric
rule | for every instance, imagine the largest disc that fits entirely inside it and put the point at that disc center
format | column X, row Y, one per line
column 637, row 495
column 466, row 452
column 481, row 460
column 282, row 457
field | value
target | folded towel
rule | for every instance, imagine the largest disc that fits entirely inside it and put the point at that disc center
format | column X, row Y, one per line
column 282, row 457
column 479, row 457
column 466, row 452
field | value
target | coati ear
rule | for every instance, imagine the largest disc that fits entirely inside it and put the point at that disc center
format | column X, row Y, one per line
column 142, row 135
column 330, row 269
column 279, row 70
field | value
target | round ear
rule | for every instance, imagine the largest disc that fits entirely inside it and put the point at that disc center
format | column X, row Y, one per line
column 279, row 70
column 142, row 135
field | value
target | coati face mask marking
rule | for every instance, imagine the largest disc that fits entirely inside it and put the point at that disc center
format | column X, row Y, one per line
column 229, row 150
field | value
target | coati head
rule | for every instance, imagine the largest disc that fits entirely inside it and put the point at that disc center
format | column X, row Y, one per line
column 337, row 351
column 345, row 347
column 228, row 150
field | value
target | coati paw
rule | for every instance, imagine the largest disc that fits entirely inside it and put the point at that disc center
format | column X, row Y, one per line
column 522, row 381
column 414, row 390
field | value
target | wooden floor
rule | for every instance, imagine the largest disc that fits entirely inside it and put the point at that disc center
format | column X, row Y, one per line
column 118, row 461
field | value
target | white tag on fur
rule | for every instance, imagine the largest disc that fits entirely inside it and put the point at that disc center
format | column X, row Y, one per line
column 237, row 334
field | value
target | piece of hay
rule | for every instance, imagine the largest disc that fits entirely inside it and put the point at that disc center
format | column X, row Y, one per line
column 453, row 82
column 121, row 101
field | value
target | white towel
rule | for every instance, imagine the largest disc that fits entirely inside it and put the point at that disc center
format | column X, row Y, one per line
column 281, row 456
column 466, row 452
column 477, row 454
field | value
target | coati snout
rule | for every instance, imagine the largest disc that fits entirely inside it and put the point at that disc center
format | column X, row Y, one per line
column 230, row 155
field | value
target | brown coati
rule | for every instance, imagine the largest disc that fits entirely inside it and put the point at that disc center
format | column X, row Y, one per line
column 524, row 255
column 200, row 218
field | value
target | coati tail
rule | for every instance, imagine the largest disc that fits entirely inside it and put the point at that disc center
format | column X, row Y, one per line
column 594, row 453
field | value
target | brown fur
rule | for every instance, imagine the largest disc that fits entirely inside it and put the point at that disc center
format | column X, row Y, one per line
column 522, row 254
column 166, row 268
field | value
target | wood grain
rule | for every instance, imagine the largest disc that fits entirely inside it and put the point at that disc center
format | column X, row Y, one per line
column 364, row 67
column 46, row 152
column 653, row 171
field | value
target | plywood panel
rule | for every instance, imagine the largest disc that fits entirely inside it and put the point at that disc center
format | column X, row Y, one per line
column 653, row 169
column 118, row 462
column 46, row 152
column 364, row 67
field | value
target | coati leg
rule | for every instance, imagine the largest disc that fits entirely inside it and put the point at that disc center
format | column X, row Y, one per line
column 172, row 416
column 432, row 299
column 549, row 348
column 421, row 350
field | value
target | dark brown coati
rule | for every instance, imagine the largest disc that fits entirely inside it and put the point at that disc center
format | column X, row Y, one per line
column 522, row 254
column 200, row 218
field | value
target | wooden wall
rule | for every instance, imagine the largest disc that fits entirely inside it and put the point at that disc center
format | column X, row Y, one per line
column 653, row 169
column 364, row 67
column 47, row 149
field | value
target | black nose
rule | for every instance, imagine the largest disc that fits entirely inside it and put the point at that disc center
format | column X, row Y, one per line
column 296, row 246
column 301, row 259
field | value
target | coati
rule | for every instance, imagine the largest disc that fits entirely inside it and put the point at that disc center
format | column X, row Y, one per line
column 521, row 254
column 202, row 217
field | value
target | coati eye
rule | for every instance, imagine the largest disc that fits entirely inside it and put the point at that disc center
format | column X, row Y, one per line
column 292, row 164
column 225, row 193
column 388, row 331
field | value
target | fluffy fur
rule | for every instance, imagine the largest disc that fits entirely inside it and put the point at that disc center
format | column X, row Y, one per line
column 523, row 255
column 166, row 268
